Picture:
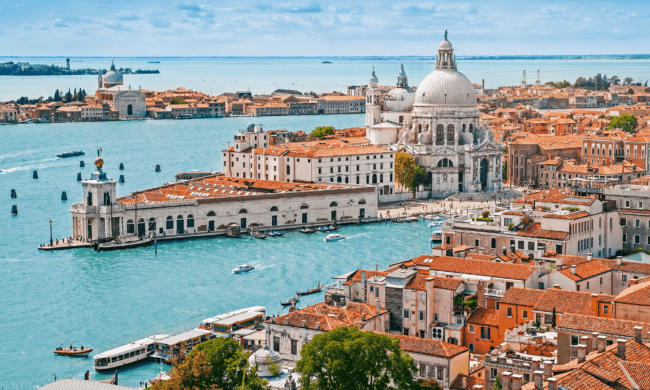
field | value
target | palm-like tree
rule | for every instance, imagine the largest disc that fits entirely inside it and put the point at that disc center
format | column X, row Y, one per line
column 628, row 81
column 614, row 80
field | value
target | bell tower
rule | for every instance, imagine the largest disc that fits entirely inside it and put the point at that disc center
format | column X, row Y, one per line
column 373, row 101
column 402, row 80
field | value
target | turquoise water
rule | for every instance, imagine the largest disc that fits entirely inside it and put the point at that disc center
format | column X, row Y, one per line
column 109, row 299
column 264, row 75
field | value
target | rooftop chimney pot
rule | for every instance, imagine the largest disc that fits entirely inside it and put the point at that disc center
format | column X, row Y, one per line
column 637, row 334
column 620, row 348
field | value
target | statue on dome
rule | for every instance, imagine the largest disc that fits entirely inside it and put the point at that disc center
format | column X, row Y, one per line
column 446, row 35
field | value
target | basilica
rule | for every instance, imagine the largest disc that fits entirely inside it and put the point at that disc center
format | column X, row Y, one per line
column 438, row 124
column 129, row 103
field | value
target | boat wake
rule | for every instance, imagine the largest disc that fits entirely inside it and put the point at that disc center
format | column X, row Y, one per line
column 263, row 267
column 41, row 165
column 356, row 236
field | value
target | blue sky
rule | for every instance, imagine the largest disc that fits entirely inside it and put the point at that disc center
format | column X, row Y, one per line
column 320, row 28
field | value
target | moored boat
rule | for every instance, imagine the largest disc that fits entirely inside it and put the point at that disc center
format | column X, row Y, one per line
column 127, row 354
column 334, row 237
column 259, row 235
column 73, row 352
column 307, row 231
column 274, row 233
column 243, row 268
column 436, row 238
column 72, row 153
column 311, row 291
column 290, row 301
column 118, row 245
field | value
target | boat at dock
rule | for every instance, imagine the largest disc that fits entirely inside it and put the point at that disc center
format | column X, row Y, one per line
column 235, row 320
column 72, row 153
column 173, row 347
column 435, row 224
column 334, row 237
column 312, row 291
column 307, row 231
column 243, row 268
column 73, row 352
column 274, row 233
column 291, row 301
column 259, row 235
column 127, row 354
column 325, row 229
column 412, row 219
column 436, row 237
column 121, row 244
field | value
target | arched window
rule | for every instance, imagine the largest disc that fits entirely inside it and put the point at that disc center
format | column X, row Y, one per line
column 130, row 227
column 141, row 227
column 374, row 178
column 288, row 170
column 190, row 221
column 440, row 134
column 304, row 206
column 381, row 177
column 450, row 133
column 420, row 128
column 274, row 208
column 129, row 110
column 357, row 179
column 212, row 214
column 471, row 127
column 243, row 211
column 169, row 223
column 445, row 162
column 180, row 225
column 346, row 179
column 464, row 127
column 152, row 224
column 426, row 128
column 362, row 201
column 338, row 179
column 333, row 204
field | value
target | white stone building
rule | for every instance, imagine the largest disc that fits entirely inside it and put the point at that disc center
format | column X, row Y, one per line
column 209, row 204
column 438, row 124
column 130, row 104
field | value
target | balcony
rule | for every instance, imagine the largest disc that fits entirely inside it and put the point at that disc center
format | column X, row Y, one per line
column 494, row 292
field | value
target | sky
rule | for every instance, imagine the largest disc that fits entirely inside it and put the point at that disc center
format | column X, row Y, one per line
column 320, row 28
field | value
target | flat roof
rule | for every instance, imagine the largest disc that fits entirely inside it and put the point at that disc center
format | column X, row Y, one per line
column 235, row 316
column 132, row 346
column 171, row 340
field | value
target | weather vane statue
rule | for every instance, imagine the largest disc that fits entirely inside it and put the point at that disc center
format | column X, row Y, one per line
column 445, row 35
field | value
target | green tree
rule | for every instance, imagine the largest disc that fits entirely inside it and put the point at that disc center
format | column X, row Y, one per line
column 614, row 80
column 428, row 384
column 348, row 359
column 322, row 131
column 421, row 177
column 193, row 373
column 177, row 101
column 404, row 169
column 628, row 81
column 57, row 96
column 625, row 122
column 497, row 385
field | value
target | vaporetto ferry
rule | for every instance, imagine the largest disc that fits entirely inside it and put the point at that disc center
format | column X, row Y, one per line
column 126, row 354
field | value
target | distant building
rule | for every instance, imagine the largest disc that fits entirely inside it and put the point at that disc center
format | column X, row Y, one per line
column 130, row 104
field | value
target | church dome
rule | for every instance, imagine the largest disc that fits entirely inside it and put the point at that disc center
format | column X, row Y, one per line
column 445, row 45
column 446, row 88
column 113, row 77
column 399, row 99
column 263, row 358
column 373, row 81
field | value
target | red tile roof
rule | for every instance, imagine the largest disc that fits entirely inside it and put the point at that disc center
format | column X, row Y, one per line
column 585, row 270
column 476, row 267
column 605, row 326
column 522, row 296
column 328, row 317
column 429, row 347
column 535, row 230
column 482, row 316
column 638, row 294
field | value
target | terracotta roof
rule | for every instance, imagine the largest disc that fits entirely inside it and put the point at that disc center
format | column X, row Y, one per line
column 356, row 277
column 575, row 215
column 522, row 296
column 429, row 347
column 585, row 270
column 514, row 213
column 418, row 282
column 482, row 316
column 476, row 267
column 638, row 294
column 566, row 301
column 447, row 283
column 535, row 230
column 470, row 382
column 328, row 317
column 602, row 325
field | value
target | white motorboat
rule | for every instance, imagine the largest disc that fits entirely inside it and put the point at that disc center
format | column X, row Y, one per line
column 334, row 237
column 243, row 268
column 435, row 224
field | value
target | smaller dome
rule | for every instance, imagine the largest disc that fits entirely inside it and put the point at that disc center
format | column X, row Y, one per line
column 373, row 81
column 401, row 73
column 445, row 45
column 399, row 100
column 263, row 358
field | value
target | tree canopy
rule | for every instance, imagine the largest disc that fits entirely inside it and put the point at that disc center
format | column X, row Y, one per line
column 321, row 132
column 625, row 122
column 421, row 177
column 349, row 359
column 404, row 169
column 177, row 101
column 216, row 364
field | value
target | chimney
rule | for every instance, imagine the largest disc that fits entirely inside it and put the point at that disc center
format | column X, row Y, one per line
column 378, row 307
column 619, row 260
column 548, row 369
column 620, row 348
column 505, row 380
column 304, row 323
column 585, row 340
column 637, row 334
column 594, row 302
column 363, row 317
column 318, row 326
column 480, row 295
column 589, row 256
column 480, row 250
column 512, row 248
column 363, row 280
column 539, row 380
column 286, row 322
column 573, row 269
column 535, row 364
column 594, row 341
column 582, row 353
column 463, row 382
column 505, row 251
column 557, row 287
column 552, row 383
column 516, row 382
column 602, row 343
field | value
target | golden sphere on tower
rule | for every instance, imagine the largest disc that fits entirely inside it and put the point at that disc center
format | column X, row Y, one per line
column 99, row 162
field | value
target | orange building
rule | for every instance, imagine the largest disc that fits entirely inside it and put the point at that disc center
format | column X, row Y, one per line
column 482, row 331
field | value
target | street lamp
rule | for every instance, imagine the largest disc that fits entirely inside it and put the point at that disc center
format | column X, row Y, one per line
column 51, row 241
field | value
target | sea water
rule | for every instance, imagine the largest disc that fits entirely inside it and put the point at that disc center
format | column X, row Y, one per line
column 264, row 75
column 108, row 299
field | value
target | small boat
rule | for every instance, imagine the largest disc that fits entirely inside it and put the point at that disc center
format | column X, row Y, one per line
column 436, row 238
column 334, row 237
column 312, row 291
column 435, row 224
column 118, row 245
column 72, row 153
column 183, row 116
column 274, row 233
column 412, row 219
column 307, row 231
column 74, row 352
column 326, row 62
column 243, row 268
column 290, row 301
column 259, row 235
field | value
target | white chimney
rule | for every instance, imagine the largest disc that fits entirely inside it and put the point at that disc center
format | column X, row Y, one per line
column 573, row 269
column 637, row 334
column 588, row 256
column 582, row 353
column 619, row 260
column 304, row 323
column 602, row 343
column 552, row 383
column 539, row 380
column 620, row 348
column 516, row 382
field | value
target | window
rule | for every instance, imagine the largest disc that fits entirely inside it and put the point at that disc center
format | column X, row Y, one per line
column 493, row 373
column 524, row 314
column 276, row 344
column 376, row 293
column 623, row 222
column 509, row 312
column 624, row 237
column 421, row 315
column 605, row 309
column 624, row 278
column 294, row 347
column 190, row 221
column 637, row 239
column 485, row 333
column 169, row 224
column 441, row 371
column 637, row 223
column 574, row 340
column 476, row 243
column 531, row 246
column 407, row 313
column 423, row 371
column 130, row 227
column 548, row 318
column 471, row 328
column 520, row 245
column 493, row 243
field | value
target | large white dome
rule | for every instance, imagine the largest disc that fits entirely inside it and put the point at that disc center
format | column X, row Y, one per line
column 113, row 77
column 446, row 87
column 399, row 99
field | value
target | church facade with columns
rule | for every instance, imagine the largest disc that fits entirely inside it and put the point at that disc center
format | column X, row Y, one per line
column 130, row 103
column 438, row 124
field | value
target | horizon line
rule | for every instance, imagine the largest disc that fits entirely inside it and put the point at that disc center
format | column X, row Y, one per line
column 343, row 56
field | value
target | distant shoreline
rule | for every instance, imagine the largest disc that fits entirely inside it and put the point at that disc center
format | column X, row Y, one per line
column 638, row 56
